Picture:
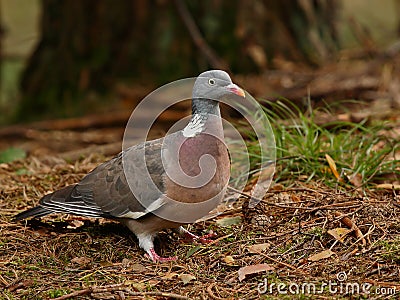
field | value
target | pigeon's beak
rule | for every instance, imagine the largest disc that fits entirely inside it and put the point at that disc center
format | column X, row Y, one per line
column 233, row 88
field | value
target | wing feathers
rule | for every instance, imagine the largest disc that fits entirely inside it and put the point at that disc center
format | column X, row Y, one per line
column 36, row 212
column 105, row 192
column 67, row 200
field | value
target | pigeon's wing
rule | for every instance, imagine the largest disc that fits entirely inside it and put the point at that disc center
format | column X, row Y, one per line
column 113, row 183
column 105, row 191
column 68, row 200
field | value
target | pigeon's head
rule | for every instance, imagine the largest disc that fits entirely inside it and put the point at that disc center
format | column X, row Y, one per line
column 214, row 85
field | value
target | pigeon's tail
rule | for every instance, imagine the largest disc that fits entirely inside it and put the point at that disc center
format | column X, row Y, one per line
column 42, row 210
column 36, row 212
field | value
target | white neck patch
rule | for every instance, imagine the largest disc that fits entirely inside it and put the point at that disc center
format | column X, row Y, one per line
column 195, row 126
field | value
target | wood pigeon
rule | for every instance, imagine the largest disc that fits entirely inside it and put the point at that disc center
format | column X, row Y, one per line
column 179, row 167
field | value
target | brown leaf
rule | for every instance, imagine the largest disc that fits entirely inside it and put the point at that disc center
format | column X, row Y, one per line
column 73, row 224
column 125, row 262
column 82, row 261
column 132, row 265
column 20, row 284
column 321, row 255
column 257, row 248
column 339, row 233
column 186, row 278
column 139, row 286
column 41, row 232
column 152, row 282
column 388, row 186
column 229, row 260
column 295, row 198
column 4, row 166
column 253, row 269
column 170, row 276
column 138, row 268
column 106, row 263
column 277, row 187
column 356, row 179
column 332, row 165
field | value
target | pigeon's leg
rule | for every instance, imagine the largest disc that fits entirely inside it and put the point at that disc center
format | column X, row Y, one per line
column 155, row 257
column 205, row 239
column 146, row 243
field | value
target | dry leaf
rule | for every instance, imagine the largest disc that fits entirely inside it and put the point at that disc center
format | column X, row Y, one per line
column 229, row 260
column 125, row 262
column 170, row 276
column 332, row 165
column 41, row 232
column 388, row 186
column 82, row 261
column 4, row 166
column 152, row 282
column 257, row 248
column 139, row 286
column 339, row 233
column 321, row 255
column 355, row 179
column 253, row 269
column 186, row 278
column 229, row 221
column 284, row 197
column 295, row 198
column 106, row 263
column 19, row 284
column 138, row 268
column 73, row 224
column 131, row 265
column 344, row 117
column 277, row 187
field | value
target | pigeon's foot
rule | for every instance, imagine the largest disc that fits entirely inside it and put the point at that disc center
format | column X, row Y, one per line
column 157, row 258
column 146, row 243
column 205, row 239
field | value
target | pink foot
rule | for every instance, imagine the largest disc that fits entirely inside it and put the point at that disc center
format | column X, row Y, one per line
column 156, row 258
column 205, row 239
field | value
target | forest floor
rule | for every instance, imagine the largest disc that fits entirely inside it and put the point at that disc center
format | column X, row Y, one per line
column 317, row 242
column 306, row 239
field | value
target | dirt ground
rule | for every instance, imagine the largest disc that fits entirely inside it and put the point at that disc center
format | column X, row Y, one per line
column 302, row 241
column 306, row 234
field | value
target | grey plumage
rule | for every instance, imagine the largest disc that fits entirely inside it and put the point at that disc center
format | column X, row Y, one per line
column 105, row 191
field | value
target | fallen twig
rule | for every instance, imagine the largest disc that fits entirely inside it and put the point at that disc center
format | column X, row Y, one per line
column 279, row 262
column 385, row 284
column 351, row 225
column 74, row 294
column 211, row 293
column 91, row 121
column 348, row 214
column 158, row 294
column 19, row 285
column 264, row 201
column 121, row 287
column 342, row 205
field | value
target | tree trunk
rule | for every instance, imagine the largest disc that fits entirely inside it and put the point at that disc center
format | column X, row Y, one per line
column 87, row 46
column 1, row 50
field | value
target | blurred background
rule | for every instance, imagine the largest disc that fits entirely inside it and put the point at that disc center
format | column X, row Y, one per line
column 94, row 60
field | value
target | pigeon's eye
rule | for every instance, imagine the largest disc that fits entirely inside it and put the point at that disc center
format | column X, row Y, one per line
column 211, row 81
